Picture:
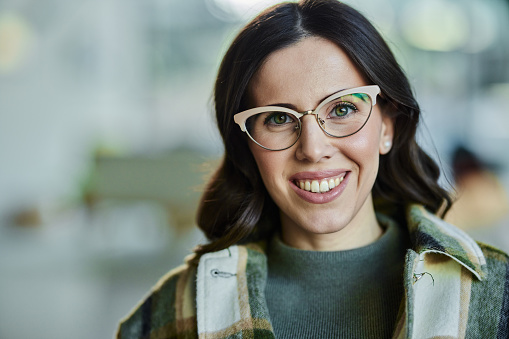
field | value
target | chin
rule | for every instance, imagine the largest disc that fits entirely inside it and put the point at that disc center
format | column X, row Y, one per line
column 321, row 224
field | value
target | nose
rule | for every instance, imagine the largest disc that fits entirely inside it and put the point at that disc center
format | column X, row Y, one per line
column 313, row 145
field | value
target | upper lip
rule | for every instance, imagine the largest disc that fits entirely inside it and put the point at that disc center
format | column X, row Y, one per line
column 318, row 174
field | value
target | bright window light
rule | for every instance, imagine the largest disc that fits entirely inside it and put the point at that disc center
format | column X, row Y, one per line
column 436, row 25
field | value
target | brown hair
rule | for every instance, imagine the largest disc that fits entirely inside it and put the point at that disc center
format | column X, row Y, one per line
column 236, row 206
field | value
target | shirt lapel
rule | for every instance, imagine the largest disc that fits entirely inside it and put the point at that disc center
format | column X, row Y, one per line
column 439, row 272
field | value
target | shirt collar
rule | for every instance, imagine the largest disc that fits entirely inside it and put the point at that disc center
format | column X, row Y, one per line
column 429, row 233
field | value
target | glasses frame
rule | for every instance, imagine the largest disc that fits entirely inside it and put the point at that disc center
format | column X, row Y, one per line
column 240, row 118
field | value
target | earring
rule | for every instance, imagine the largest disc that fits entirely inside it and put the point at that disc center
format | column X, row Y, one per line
column 387, row 144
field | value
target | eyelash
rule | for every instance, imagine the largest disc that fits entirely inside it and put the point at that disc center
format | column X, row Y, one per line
column 343, row 104
column 338, row 105
column 270, row 116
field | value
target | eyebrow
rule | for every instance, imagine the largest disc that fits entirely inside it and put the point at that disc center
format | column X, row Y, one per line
column 291, row 106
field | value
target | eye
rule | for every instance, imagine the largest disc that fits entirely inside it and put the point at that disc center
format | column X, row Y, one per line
column 342, row 109
column 278, row 118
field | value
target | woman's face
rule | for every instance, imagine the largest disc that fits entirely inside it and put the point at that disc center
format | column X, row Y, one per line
column 300, row 76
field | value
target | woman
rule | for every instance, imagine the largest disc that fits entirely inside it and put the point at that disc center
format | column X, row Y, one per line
column 322, row 216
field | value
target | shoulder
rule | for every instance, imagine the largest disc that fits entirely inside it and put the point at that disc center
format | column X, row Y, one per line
column 495, row 282
column 493, row 252
column 489, row 297
column 167, row 311
column 497, row 262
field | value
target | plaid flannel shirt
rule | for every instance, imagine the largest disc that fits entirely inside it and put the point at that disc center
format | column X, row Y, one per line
column 454, row 288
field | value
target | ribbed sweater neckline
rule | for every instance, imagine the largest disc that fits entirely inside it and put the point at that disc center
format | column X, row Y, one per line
column 289, row 261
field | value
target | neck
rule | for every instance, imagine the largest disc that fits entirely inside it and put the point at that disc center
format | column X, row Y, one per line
column 363, row 229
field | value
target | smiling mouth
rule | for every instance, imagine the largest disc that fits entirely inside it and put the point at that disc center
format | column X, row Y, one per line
column 319, row 185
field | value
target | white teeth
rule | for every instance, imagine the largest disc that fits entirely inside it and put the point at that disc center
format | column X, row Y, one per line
column 315, row 186
column 324, row 186
column 331, row 184
column 307, row 186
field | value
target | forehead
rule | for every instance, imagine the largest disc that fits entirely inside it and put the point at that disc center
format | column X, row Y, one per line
column 303, row 73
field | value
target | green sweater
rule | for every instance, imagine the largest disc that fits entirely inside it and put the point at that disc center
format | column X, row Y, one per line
column 344, row 294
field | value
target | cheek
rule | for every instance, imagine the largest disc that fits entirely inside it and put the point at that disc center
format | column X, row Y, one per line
column 365, row 142
column 363, row 147
column 268, row 162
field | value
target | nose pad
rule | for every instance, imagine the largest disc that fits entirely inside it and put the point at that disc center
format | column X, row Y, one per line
column 320, row 122
column 310, row 122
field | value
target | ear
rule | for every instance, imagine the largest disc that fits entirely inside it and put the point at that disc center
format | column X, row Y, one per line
column 386, row 134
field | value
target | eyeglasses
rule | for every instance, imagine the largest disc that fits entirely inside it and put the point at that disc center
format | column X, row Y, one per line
column 340, row 115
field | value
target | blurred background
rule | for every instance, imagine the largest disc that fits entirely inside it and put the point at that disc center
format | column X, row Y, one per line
column 107, row 138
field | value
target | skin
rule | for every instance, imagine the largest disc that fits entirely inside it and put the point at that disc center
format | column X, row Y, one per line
column 301, row 75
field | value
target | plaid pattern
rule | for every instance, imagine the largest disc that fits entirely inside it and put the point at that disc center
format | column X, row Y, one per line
column 454, row 288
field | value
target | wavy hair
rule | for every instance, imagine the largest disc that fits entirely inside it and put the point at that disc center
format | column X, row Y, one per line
column 236, row 206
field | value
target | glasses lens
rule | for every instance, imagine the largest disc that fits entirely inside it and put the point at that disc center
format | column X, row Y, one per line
column 273, row 130
column 345, row 115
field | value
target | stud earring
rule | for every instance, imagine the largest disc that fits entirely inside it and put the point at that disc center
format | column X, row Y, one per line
column 387, row 144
